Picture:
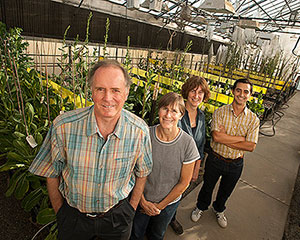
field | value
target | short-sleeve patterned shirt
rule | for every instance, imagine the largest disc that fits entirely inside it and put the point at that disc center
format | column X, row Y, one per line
column 245, row 124
column 95, row 174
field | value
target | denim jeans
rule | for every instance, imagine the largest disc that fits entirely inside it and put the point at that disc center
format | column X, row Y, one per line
column 154, row 226
column 214, row 169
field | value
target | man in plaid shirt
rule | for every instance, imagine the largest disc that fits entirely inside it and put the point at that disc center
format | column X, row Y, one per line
column 96, row 160
column 234, row 130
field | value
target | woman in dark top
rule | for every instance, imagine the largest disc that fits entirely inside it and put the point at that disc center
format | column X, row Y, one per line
column 195, row 90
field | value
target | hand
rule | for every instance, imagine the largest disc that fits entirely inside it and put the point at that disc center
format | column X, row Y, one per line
column 222, row 129
column 149, row 208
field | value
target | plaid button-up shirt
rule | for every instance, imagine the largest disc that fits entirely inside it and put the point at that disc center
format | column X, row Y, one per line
column 245, row 124
column 95, row 174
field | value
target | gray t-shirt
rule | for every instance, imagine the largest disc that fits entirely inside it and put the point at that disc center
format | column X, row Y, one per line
column 168, row 158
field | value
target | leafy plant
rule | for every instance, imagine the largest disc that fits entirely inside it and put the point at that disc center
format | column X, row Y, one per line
column 105, row 54
column 25, row 113
column 256, row 106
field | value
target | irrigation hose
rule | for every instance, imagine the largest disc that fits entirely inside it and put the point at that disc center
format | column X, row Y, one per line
column 274, row 121
column 42, row 229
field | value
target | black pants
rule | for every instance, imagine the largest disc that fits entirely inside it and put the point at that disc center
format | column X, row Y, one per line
column 115, row 224
column 214, row 169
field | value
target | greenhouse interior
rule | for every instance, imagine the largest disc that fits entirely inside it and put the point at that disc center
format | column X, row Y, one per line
column 48, row 51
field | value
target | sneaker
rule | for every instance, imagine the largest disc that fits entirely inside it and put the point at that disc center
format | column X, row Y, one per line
column 222, row 221
column 196, row 214
column 176, row 226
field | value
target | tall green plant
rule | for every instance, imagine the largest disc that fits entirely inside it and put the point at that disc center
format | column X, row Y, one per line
column 178, row 72
column 21, row 88
column 105, row 54
column 74, row 64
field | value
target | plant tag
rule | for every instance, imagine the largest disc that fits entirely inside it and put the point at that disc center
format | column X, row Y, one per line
column 61, row 112
column 135, row 88
column 30, row 139
column 42, row 99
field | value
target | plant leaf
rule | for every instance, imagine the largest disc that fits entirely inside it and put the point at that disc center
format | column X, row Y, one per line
column 32, row 199
column 18, row 134
column 13, row 182
column 45, row 216
column 22, row 187
column 10, row 166
column 14, row 157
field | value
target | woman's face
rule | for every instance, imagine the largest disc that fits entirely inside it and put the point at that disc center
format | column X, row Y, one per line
column 169, row 116
column 195, row 96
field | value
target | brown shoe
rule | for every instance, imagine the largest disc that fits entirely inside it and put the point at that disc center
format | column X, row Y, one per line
column 176, row 226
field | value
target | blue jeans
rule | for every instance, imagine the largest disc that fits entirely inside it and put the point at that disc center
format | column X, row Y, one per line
column 229, row 173
column 155, row 226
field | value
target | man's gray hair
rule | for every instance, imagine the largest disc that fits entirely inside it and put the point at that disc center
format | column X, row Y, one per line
column 109, row 63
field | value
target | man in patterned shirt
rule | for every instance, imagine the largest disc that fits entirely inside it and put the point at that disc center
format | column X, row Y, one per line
column 234, row 130
column 96, row 160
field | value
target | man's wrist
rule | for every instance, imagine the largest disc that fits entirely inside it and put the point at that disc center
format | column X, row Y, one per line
column 133, row 203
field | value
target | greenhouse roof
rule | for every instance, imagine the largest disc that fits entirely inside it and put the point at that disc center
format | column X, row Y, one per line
column 201, row 17
column 264, row 15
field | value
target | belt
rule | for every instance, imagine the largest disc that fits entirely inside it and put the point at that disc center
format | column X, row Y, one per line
column 228, row 160
column 102, row 214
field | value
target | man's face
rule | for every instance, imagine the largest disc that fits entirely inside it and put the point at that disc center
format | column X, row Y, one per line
column 242, row 93
column 109, row 92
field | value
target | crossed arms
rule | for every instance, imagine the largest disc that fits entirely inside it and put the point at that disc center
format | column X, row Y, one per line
column 235, row 142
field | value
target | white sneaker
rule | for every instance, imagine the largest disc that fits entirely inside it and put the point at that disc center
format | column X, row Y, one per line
column 196, row 214
column 222, row 221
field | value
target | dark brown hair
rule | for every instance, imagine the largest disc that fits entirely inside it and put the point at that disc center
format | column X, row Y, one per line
column 194, row 82
column 172, row 98
column 243, row 80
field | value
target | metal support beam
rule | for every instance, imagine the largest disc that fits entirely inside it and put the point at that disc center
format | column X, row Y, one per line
column 251, row 7
column 265, row 12
column 288, row 5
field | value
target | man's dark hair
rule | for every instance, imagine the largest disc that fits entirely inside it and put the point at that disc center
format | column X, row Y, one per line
column 243, row 80
column 109, row 63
